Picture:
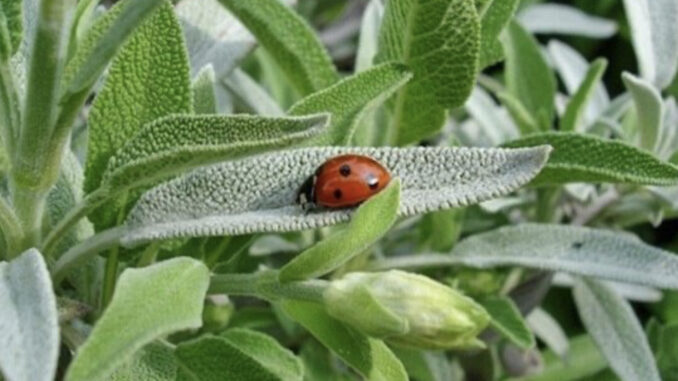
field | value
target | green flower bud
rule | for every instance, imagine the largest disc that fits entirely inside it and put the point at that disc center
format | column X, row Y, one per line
column 407, row 309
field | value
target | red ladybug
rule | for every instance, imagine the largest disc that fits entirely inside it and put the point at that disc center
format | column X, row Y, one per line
column 343, row 181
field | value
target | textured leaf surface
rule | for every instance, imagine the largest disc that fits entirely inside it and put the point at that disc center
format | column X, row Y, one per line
column 204, row 97
column 563, row 19
column 251, row 94
column 440, row 42
column 369, row 357
column 148, row 303
column 290, row 40
column 578, row 250
column 528, row 76
column 29, row 331
column 370, row 222
column 611, row 322
column 148, row 79
column 493, row 20
column 586, row 158
column 350, row 98
column 239, row 355
column 506, row 319
column 573, row 119
column 649, row 110
column 13, row 15
column 154, row 362
column 258, row 194
column 173, row 144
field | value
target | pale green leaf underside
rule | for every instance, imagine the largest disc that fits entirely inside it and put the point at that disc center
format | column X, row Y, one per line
column 554, row 18
column 258, row 194
column 586, row 158
column 154, row 362
column 506, row 319
column 288, row 38
column 578, row 250
column 348, row 99
column 148, row 303
column 573, row 118
column 29, row 331
column 496, row 17
column 369, row 357
column 176, row 143
column 612, row 323
column 649, row 110
column 370, row 222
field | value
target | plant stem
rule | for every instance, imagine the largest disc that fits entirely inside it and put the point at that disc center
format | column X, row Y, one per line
column 149, row 254
column 110, row 278
column 11, row 228
column 265, row 285
column 9, row 108
column 29, row 205
column 85, row 250
column 547, row 204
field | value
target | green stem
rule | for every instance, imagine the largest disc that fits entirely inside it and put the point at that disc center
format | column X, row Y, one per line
column 265, row 285
column 547, row 204
column 29, row 205
column 149, row 254
column 86, row 250
column 11, row 228
column 110, row 278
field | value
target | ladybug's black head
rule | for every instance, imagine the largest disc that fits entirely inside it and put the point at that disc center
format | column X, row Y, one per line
column 306, row 194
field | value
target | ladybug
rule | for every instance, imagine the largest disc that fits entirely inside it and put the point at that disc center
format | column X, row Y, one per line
column 343, row 181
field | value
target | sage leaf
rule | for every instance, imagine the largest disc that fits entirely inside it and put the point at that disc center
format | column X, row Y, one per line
column 614, row 327
column 239, row 354
column 563, row 19
column 577, row 250
column 29, row 330
column 370, row 222
column 440, row 42
column 654, row 34
column 368, row 44
column 547, row 329
column 289, row 39
column 508, row 321
column 528, row 76
column 586, row 158
column 14, row 17
column 349, row 99
column 369, row 357
column 258, row 194
column 649, row 110
column 204, row 97
column 176, row 143
column 250, row 94
column 573, row 118
column 148, row 303
column 524, row 120
column 426, row 365
column 155, row 362
column 494, row 19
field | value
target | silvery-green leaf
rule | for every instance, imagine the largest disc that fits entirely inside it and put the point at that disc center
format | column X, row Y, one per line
column 654, row 33
column 630, row 291
column 29, row 332
column 573, row 117
column 577, row 250
column 564, row 19
column 204, row 96
column 667, row 143
column 491, row 119
column 369, row 35
column 547, row 329
column 154, row 362
column 258, row 194
column 507, row 319
column 213, row 36
column 611, row 322
column 572, row 67
column 649, row 110
column 251, row 94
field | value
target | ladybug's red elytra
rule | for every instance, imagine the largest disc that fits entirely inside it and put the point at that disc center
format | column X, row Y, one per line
column 343, row 181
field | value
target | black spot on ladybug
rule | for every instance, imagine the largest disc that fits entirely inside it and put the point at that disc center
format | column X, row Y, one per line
column 337, row 194
column 577, row 245
column 372, row 181
column 345, row 170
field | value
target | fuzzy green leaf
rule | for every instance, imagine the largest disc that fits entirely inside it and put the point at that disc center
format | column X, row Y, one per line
column 154, row 362
column 370, row 222
column 506, row 319
column 578, row 250
column 204, row 97
column 649, row 110
column 369, row 357
column 29, row 331
column 556, row 18
column 528, row 76
column 149, row 79
column 494, row 19
column 239, row 355
column 525, row 121
column 258, row 194
column 350, row 98
column 611, row 322
column 288, row 38
column 573, row 119
column 440, row 42
column 14, row 16
column 586, row 158
column 426, row 365
column 148, row 303
column 251, row 95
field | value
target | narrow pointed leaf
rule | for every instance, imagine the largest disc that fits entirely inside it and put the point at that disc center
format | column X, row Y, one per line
column 611, row 322
column 440, row 42
column 493, row 21
column 258, row 194
column 350, row 98
column 553, row 18
column 370, row 222
column 176, row 143
column 29, row 331
column 148, row 304
column 526, row 122
column 528, row 76
column 239, row 354
column 14, row 15
column 289, row 39
column 586, row 158
column 649, row 110
column 573, row 119
column 506, row 319
column 204, row 97
column 250, row 95
column 369, row 357
column 369, row 35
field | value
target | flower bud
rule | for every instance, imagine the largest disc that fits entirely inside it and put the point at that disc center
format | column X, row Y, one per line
column 407, row 309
